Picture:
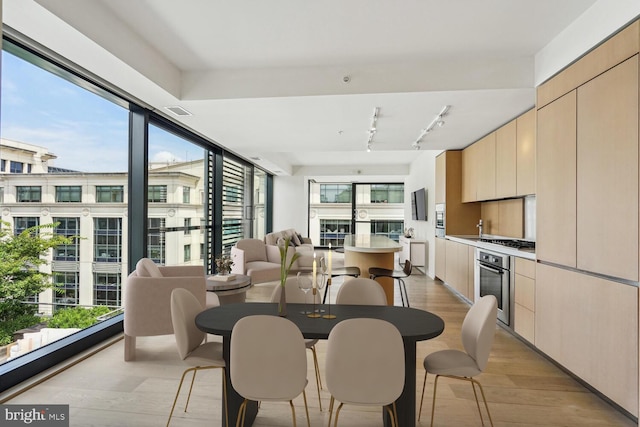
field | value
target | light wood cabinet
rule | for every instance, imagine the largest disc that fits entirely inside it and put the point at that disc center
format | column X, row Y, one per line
column 607, row 173
column 506, row 160
column 486, row 169
column 457, row 269
column 526, row 153
column 441, row 177
column 556, row 182
column 460, row 218
column 441, row 259
column 470, row 164
column 504, row 217
column 524, row 304
column 590, row 326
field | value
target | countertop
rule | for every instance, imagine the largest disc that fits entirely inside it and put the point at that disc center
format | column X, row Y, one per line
column 475, row 241
column 370, row 243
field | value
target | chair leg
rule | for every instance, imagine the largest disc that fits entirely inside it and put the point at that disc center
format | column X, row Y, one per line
column 392, row 414
column 335, row 424
column 401, row 294
column 177, row 394
column 424, row 383
column 224, row 393
column 486, row 406
column 433, row 404
column 293, row 413
column 241, row 412
column 306, row 408
column 317, row 369
column 193, row 379
column 404, row 288
column 330, row 410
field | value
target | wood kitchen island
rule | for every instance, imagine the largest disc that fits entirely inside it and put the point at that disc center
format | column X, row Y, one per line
column 372, row 250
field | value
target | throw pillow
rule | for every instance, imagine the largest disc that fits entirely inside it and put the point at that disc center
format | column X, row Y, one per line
column 300, row 238
column 147, row 268
column 281, row 241
column 295, row 238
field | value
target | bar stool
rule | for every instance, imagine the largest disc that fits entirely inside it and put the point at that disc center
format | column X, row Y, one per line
column 336, row 272
column 398, row 275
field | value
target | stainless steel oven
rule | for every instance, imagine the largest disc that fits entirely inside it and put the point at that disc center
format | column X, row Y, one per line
column 440, row 232
column 493, row 277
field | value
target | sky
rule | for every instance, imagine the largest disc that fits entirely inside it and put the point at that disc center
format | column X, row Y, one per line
column 86, row 132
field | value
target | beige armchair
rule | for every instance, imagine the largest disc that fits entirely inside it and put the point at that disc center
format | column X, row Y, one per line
column 147, row 299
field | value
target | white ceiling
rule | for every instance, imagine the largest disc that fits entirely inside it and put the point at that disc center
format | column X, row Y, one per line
column 266, row 78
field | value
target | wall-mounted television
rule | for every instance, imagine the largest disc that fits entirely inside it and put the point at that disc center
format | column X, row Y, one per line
column 419, row 205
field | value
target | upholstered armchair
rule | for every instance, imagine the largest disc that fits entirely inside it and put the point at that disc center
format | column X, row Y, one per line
column 147, row 299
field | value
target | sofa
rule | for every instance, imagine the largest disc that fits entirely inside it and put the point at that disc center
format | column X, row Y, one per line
column 260, row 259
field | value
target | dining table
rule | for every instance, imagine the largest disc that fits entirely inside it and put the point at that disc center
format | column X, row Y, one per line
column 414, row 325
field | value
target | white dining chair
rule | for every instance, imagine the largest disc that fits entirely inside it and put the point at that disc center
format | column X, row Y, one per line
column 361, row 291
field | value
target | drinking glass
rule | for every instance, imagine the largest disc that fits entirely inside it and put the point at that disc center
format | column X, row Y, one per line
column 321, row 281
column 304, row 283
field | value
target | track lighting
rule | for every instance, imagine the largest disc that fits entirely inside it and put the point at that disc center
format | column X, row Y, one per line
column 373, row 128
column 436, row 121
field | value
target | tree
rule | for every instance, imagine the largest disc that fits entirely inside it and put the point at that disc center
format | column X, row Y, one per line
column 20, row 258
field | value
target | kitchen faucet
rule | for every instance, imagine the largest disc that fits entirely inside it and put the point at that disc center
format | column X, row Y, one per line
column 479, row 225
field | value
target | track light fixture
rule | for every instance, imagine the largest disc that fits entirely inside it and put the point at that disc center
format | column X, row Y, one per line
column 372, row 129
column 436, row 121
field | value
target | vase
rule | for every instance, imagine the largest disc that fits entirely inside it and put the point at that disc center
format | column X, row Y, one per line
column 282, row 305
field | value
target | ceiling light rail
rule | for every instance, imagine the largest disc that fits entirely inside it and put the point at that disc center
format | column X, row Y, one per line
column 437, row 121
column 373, row 128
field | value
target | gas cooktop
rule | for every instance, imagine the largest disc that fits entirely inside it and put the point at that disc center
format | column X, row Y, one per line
column 511, row 243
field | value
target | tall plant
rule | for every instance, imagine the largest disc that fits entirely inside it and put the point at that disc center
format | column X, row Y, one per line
column 20, row 258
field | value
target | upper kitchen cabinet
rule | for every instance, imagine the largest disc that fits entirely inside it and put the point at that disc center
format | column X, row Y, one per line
column 556, row 182
column 526, row 153
column 460, row 218
column 470, row 173
column 505, row 178
column 486, row 172
column 607, row 172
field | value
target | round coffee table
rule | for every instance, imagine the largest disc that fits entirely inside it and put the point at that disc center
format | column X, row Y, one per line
column 230, row 291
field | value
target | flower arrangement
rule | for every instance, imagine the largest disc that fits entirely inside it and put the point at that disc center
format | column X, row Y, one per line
column 223, row 264
column 284, row 272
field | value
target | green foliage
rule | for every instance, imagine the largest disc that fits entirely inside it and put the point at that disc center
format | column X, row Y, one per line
column 20, row 259
column 284, row 269
column 8, row 327
column 77, row 317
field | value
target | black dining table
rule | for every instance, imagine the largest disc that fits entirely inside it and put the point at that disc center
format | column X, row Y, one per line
column 414, row 325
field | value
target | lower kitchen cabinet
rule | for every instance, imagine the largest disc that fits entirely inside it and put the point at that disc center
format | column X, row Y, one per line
column 441, row 257
column 524, row 306
column 590, row 326
column 459, row 272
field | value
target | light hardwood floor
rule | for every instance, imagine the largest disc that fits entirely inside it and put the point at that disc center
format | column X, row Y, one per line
column 522, row 387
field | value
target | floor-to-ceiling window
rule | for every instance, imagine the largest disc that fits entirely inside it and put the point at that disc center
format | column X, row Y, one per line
column 339, row 209
column 70, row 154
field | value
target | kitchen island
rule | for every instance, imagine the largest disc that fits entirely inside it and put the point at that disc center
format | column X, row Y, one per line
column 372, row 250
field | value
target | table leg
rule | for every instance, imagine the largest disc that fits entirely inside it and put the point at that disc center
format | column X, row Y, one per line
column 234, row 400
column 406, row 403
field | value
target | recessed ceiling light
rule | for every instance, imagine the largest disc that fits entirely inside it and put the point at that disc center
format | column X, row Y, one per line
column 255, row 158
column 178, row 111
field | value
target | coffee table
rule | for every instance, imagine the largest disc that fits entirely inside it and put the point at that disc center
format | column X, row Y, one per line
column 230, row 291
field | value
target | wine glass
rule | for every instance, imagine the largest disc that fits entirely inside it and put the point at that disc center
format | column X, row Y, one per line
column 304, row 283
column 321, row 280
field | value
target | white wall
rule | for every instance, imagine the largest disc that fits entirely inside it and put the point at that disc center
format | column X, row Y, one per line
column 423, row 174
column 290, row 203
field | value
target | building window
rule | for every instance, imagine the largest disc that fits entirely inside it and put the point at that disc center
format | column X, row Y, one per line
column 187, row 253
column 333, row 231
column 201, row 250
column 109, row 193
column 186, row 194
column 106, row 289
column 156, row 240
column 67, row 292
column 157, row 194
column 15, row 167
column 3, row 165
column 1, row 194
column 68, row 193
column 387, row 193
column 335, row 193
column 187, row 226
column 107, row 239
column 28, row 167
column 68, row 227
column 29, row 193
column 21, row 223
column 391, row 229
